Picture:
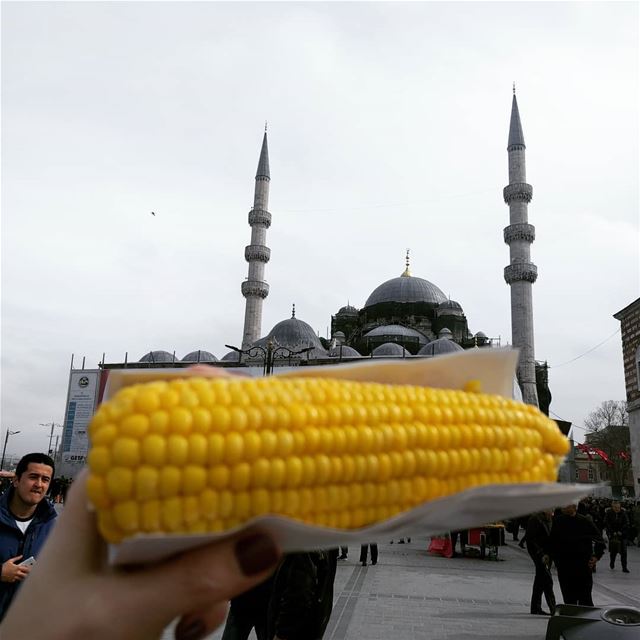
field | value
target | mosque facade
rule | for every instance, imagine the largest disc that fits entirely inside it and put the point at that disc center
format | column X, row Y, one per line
column 406, row 316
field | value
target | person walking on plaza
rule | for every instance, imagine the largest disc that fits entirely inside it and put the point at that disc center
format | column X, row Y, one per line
column 344, row 552
column 537, row 535
column 575, row 547
column 374, row 554
column 249, row 611
column 26, row 519
column 616, row 524
column 302, row 596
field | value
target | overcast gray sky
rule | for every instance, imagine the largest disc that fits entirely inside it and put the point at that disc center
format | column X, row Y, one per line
column 388, row 128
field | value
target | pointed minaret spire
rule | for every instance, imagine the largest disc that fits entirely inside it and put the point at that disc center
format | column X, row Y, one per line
column 406, row 273
column 263, row 163
column 516, row 137
column 521, row 272
column 257, row 254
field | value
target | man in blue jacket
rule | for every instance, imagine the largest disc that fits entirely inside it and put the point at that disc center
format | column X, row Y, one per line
column 26, row 519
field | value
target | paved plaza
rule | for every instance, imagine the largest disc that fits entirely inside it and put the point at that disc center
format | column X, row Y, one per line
column 412, row 595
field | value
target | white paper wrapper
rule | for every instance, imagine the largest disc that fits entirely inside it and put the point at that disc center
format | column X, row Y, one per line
column 495, row 368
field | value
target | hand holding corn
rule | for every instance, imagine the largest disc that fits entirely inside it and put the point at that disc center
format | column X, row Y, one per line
column 207, row 454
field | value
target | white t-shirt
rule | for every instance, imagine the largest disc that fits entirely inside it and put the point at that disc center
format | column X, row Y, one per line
column 23, row 524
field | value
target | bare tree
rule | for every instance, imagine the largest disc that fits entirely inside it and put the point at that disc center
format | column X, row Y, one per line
column 608, row 430
column 610, row 412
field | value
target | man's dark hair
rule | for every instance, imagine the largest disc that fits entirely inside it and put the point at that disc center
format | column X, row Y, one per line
column 37, row 458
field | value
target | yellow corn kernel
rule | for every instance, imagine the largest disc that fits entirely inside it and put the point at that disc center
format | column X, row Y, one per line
column 125, row 452
column 198, row 454
column 100, row 459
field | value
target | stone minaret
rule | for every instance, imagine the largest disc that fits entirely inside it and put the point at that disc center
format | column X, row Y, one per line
column 257, row 254
column 521, row 273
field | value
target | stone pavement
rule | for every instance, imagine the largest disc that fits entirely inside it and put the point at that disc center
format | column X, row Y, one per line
column 412, row 595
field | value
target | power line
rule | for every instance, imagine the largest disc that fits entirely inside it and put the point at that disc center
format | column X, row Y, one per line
column 563, row 420
column 586, row 352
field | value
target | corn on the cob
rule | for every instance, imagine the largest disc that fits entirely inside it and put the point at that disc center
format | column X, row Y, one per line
column 198, row 454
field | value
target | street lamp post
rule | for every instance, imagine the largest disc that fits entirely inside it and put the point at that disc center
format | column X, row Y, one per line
column 272, row 352
column 4, row 449
column 53, row 425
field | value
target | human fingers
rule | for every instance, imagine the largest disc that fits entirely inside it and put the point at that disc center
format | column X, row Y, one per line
column 74, row 545
column 199, row 624
column 201, row 579
column 208, row 371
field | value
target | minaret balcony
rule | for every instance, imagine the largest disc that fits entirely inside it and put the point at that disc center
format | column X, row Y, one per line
column 260, row 216
column 255, row 289
column 517, row 192
column 520, row 231
column 521, row 272
column 257, row 253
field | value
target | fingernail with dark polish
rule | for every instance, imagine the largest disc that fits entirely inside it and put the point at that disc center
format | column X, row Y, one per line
column 193, row 629
column 256, row 554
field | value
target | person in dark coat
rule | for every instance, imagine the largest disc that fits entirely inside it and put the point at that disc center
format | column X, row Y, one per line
column 616, row 524
column 302, row 596
column 575, row 546
column 537, row 535
column 26, row 518
column 249, row 611
column 374, row 554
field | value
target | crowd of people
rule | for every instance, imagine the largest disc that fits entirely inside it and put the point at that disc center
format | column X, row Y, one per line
column 574, row 539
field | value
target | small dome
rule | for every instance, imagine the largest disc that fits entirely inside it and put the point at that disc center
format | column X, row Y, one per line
column 481, row 334
column 389, row 349
column 396, row 330
column 440, row 346
column 232, row 356
column 449, row 308
column 345, row 351
column 295, row 334
column 156, row 357
column 200, row 356
column 347, row 311
column 406, row 289
column 339, row 334
column 445, row 332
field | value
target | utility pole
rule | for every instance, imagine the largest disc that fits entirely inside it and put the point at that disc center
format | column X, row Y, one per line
column 4, row 449
column 53, row 425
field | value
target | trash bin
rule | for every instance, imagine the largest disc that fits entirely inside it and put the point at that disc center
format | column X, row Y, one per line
column 616, row 622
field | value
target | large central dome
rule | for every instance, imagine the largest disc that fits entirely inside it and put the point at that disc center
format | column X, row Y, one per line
column 406, row 288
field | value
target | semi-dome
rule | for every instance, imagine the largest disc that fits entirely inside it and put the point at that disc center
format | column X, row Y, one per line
column 348, row 310
column 159, row 356
column 396, row 330
column 389, row 349
column 449, row 308
column 345, row 351
column 200, row 356
column 232, row 356
column 406, row 288
column 440, row 346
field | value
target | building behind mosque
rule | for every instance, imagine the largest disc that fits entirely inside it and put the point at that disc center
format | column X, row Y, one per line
column 405, row 317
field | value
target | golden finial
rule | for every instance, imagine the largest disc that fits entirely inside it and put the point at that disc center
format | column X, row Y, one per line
column 265, row 126
column 406, row 272
column 514, row 87
column 293, row 310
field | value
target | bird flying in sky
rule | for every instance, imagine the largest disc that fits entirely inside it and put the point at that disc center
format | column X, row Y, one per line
column 153, row 213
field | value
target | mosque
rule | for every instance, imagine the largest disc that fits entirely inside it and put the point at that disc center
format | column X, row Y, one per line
column 407, row 316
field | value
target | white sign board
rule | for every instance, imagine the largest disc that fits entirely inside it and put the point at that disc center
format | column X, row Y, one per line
column 81, row 403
